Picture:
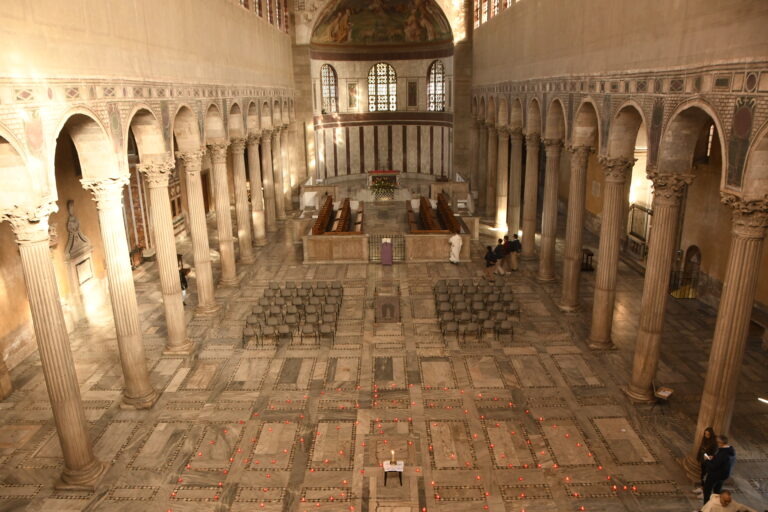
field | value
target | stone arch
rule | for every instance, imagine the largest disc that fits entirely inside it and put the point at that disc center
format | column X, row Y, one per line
column 679, row 138
column 20, row 188
column 754, row 184
column 474, row 106
column 235, row 122
column 533, row 119
column 285, row 113
column 95, row 150
column 186, row 129
column 481, row 110
column 266, row 116
column 147, row 132
column 586, row 125
column 491, row 111
column 555, row 125
column 624, row 129
column 516, row 114
column 214, row 125
column 503, row 117
column 291, row 113
column 252, row 118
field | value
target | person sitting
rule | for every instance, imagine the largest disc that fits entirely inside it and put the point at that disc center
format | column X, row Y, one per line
column 724, row 502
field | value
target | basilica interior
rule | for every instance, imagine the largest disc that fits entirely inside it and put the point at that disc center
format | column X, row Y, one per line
column 244, row 254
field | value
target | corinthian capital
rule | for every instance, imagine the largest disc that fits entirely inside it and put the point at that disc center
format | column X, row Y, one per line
column 750, row 217
column 668, row 186
column 616, row 170
column 30, row 225
column 107, row 192
column 254, row 138
column 238, row 145
column 158, row 172
column 219, row 152
column 516, row 133
column 193, row 160
column 580, row 154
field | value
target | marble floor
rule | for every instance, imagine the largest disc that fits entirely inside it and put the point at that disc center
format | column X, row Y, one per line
column 538, row 424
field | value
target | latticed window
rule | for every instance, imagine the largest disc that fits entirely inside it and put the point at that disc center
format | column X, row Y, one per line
column 268, row 5
column 495, row 7
column 244, row 3
column 477, row 13
column 330, row 89
column 278, row 13
column 436, row 87
column 382, row 88
column 484, row 13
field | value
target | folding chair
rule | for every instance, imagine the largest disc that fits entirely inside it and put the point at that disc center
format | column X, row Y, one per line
column 308, row 329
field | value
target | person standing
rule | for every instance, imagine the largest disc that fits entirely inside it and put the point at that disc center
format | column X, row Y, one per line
column 183, row 278
column 500, row 253
column 507, row 253
column 455, row 242
column 515, row 248
column 708, row 447
column 718, row 467
column 490, row 263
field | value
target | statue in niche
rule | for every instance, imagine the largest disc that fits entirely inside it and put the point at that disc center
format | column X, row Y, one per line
column 77, row 243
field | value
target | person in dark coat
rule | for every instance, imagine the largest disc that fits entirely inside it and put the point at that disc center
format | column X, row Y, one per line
column 500, row 252
column 183, row 278
column 708, row 447
column 515, row 248
column 490, row 263
column 718, row 467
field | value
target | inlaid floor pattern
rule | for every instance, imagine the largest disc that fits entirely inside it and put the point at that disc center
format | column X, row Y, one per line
column 536, row 424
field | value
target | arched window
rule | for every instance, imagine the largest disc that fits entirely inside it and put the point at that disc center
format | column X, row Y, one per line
column 382, row 88
column 436, row 87
column 329, row 89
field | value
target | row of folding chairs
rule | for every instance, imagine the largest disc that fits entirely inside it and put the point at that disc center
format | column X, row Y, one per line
column 299, row 302
column 303, row 292
column 482, row 297
column 291, row 309
column 462, row 330
column 480, row 316
column 289, row 327
column 476, row 307
column 306, row 285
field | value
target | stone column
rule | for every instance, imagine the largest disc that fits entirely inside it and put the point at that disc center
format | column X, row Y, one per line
column 749, row 223
column 574, row 229
column 490, row 184
column 198, row 229
column 82, row 470
column 270, row 209
column 616, row 170
column 285, row 163
column 108, row 194
column 277, row 174
column 474, row 140
column 668, row 189
column 242, row 210
column 502, row 175
column 257, row 197
column 482, row 169
column 156, row 175
column 515, row 181
column 223, row 215
column 553, row 149
column 532, row 142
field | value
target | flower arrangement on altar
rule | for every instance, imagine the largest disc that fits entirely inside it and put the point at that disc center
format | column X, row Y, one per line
column 383, row 185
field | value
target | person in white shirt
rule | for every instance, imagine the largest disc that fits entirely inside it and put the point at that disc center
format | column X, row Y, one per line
column 724, row 502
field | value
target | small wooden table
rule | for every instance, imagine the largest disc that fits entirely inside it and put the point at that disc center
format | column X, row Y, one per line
column 398, row 467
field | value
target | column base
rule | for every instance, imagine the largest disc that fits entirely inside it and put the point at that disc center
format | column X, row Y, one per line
column 545, row 279
column 207, row 309
column 187, row 349
column 143, row 402
column 601, row 344
column 229, row 282
column 528, row 257
column 639, row 396
column 569, row 308
column 82, row 480
column 248, row 260
column 261, row 242
column 692, row 468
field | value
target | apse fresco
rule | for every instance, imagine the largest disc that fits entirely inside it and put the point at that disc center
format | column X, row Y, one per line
column 382, row 22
